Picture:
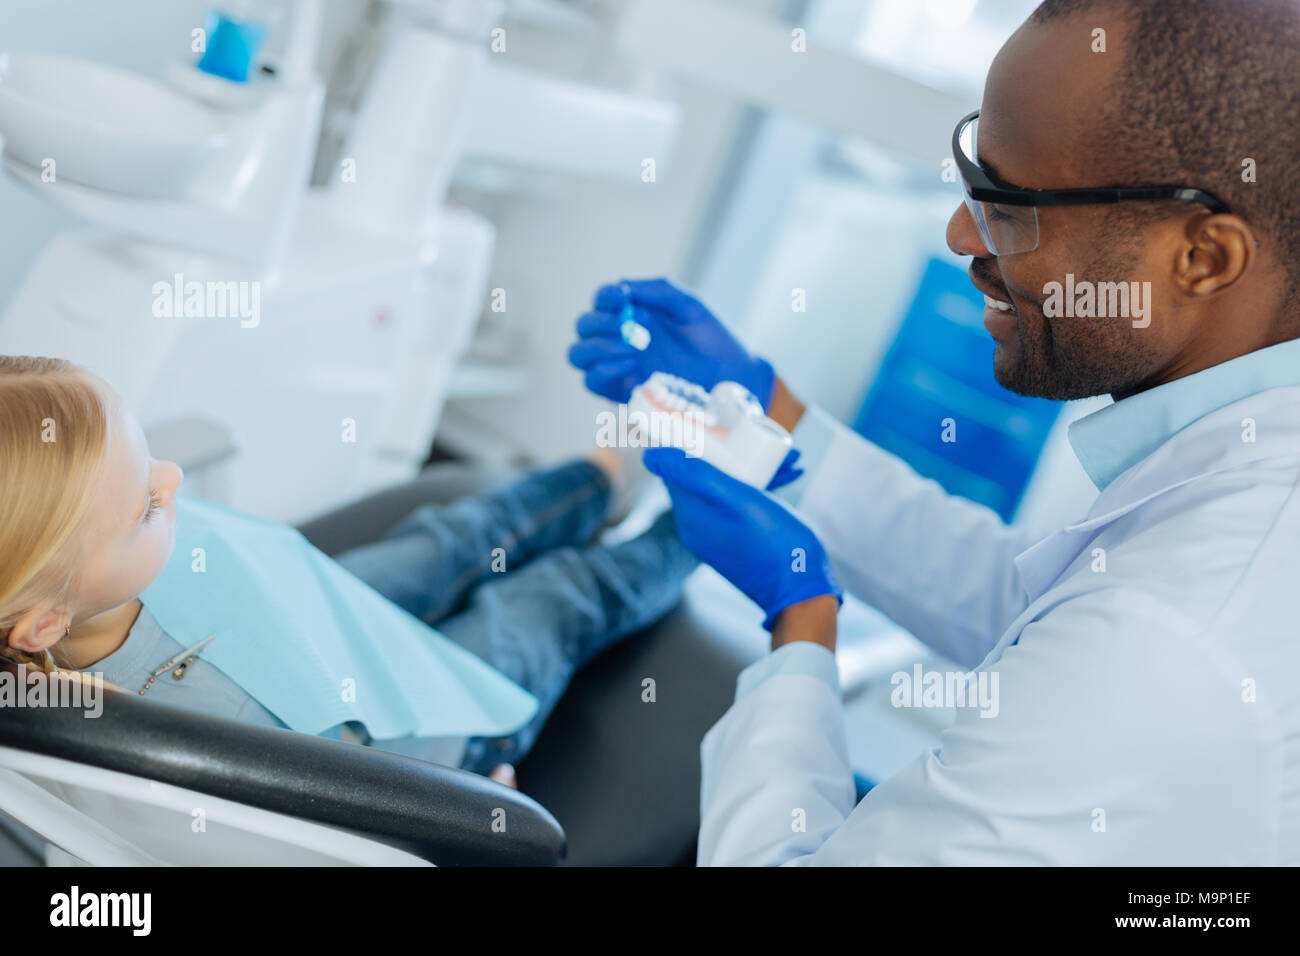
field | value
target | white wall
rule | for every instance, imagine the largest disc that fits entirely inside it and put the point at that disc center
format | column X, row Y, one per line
column 558, row 243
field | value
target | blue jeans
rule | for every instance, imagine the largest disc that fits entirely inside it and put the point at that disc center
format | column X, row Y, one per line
column 512, row 576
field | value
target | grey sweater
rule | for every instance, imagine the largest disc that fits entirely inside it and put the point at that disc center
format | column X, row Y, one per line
column 206, row 689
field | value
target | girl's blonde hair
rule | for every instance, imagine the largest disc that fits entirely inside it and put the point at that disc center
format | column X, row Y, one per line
column 54, row 439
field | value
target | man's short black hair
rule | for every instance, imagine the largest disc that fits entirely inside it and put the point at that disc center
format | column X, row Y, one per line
column 1206, row 85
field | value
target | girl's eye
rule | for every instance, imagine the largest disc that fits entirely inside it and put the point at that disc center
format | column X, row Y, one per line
column 155, row 506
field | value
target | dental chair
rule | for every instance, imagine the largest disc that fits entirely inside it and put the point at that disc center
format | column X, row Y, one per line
column 612, row 780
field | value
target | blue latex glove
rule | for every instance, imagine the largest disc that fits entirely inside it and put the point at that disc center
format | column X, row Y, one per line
column 685, row 340
column 787, row 472
column 746, row 535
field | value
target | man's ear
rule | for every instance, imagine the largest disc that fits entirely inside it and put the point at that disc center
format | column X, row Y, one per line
column 1219, row 249
column 39, row 629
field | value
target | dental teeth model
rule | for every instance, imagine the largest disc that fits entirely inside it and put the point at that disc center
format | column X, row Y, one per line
column 725, row 427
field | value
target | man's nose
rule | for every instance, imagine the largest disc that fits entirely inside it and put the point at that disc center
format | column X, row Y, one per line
column 963, row 235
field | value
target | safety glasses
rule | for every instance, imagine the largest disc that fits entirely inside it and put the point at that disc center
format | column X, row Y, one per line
column 1007, row 216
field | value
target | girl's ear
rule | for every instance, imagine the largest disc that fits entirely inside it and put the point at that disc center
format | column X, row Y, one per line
column 39, row 629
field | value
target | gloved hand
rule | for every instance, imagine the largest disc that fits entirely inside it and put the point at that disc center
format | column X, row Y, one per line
column 787, row 472
column 748, row 537
column 685, row 340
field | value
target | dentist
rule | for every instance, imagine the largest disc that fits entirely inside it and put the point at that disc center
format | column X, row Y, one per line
column 1148, row 655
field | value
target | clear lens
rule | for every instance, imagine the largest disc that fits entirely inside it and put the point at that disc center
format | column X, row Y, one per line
column 1005, row 229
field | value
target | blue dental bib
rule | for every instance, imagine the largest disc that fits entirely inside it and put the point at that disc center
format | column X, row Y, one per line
column 314, row 644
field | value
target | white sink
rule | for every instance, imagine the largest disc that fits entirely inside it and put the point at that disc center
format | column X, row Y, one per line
column 103, row 127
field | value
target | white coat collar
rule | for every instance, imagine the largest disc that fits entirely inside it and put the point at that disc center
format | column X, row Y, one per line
column 1113, row 439
column 1260, row 427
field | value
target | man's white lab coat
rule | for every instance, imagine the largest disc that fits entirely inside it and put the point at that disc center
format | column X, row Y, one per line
column 1148, row 662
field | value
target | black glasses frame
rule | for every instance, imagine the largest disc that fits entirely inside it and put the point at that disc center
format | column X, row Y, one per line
column 985, row 188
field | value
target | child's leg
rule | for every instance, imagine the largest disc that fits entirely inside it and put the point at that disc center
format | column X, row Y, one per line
column 540, row 624
column 431, row 559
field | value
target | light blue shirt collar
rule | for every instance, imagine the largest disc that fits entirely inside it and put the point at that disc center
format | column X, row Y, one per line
column 1115, row 438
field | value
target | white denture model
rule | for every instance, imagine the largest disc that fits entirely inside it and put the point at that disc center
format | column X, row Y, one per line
column 725, row 427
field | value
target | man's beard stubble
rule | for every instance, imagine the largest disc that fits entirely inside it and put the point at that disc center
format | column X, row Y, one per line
column 1067, row 358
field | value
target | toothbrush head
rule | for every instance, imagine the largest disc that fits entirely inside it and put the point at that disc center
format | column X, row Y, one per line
column 634, row 333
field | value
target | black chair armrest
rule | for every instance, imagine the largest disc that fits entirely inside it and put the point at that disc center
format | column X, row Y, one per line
column 438, row 813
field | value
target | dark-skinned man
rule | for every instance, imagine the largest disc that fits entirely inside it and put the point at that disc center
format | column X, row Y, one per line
column 1134, row 696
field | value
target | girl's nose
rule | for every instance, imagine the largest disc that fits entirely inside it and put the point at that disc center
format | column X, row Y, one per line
column 169, row 478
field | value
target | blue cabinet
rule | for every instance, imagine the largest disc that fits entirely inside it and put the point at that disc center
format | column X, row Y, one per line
column 936, row 404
